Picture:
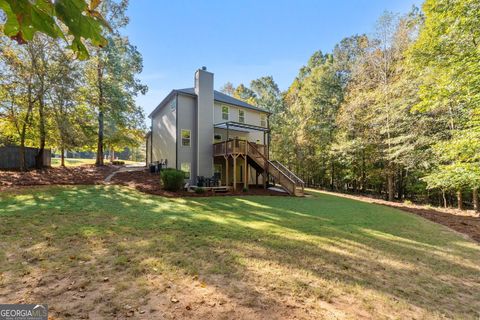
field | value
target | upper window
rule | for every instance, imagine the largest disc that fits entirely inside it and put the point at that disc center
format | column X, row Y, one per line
column 173, row 105
column 263, row 121
column 186, row 135
column 241, row 116
column 224, row 112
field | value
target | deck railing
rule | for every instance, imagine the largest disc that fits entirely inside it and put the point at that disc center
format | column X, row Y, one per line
column 235, row 146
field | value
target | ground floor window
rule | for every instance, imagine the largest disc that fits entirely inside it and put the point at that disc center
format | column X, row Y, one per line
column 185, row 167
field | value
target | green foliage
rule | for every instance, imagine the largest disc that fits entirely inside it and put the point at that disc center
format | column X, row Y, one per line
column 53, row 100
column 386, row 110
column 82, row 20
column 172, row 179
column 446, row 57
column 199, row 190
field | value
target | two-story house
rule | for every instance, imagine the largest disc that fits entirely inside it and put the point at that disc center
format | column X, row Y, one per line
column 204, row 132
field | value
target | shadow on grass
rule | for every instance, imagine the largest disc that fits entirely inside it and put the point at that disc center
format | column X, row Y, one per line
column 331, row 240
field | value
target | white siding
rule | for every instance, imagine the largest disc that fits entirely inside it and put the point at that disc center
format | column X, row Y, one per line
column 252, row 117
column 164, row 134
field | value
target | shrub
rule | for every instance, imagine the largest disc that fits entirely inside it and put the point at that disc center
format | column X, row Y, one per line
column 118, row 162
column 172, row 179
column 199, row 190
column 245, row 189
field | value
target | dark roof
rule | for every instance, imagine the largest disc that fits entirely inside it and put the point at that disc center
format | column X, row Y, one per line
column 217, row 96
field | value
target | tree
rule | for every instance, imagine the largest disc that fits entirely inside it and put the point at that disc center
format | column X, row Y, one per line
column 71, row 116
column 228, row 89
column 267, row 94
column 18, row 95
column 78, row 19
column 111, row 77
column 446, row 57
column 244, row 93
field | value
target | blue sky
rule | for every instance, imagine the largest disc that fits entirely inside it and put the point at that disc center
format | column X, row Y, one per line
column 241, row 40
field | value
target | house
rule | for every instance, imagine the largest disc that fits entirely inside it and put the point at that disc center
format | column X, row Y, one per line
column 204, row 132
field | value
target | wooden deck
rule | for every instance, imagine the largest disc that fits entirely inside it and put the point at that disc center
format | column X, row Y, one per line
column 257, row 155
column 236, row 147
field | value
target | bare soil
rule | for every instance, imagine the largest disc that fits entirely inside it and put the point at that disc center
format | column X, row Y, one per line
column 466, row 222
column 85, row 174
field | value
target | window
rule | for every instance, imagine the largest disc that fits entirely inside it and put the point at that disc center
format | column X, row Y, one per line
column 173, row 105
column 224, row 112
column 241, row 116
column 263, row 121
column 185, row 167
column 186, row 138
column 217, row 137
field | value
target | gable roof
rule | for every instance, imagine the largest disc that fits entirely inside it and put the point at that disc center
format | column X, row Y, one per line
column 225, row 98
column 217, row 96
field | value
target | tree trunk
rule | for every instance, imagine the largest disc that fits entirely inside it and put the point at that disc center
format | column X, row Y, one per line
column 390, row 187
column 112, row 155
column 364, row 174
column 332, row 176
column 444, row 199
column 23, row 162
column 459, row 200
column 476, row 203
column 400, row 187
column 99, row 161
column 39, row 163
column 62, row 150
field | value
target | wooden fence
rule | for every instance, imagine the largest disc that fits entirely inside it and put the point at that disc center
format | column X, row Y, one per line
column 10, row 157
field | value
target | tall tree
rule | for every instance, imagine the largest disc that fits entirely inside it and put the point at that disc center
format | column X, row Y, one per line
column 111, row 75
column 446, row 56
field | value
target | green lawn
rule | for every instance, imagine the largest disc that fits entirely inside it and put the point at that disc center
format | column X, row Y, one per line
column 109, row 251
column 72, row 162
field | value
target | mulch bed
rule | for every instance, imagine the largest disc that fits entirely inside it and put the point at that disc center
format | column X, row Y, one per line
column 464, row 221
column 86, row 174
column 149, row 183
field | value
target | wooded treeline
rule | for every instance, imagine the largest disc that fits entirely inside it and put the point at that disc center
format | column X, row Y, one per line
column 51, row 98
column 394, row 113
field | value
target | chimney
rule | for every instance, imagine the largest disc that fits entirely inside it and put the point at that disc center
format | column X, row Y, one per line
column 204, row 92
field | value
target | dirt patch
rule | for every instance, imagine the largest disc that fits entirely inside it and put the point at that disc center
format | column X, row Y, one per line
column 85, row 174
column 147, row 182
column 466, row 222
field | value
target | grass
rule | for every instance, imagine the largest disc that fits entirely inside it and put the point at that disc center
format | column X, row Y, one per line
column 73, row 162
column 230, row 257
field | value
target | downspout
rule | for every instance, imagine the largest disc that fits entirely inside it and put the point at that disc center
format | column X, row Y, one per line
column 146, row 151
column 151, row 141
column 176, row 131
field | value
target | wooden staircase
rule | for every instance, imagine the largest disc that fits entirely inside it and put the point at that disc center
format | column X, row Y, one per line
column 277, row 171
